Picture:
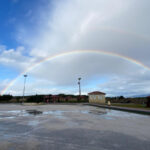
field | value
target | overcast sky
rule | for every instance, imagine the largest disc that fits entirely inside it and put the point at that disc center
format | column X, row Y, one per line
column 31, row 31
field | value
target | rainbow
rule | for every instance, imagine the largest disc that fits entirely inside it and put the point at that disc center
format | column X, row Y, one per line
column 63, row 54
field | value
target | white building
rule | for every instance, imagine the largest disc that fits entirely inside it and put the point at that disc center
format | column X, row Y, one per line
column 97, row 97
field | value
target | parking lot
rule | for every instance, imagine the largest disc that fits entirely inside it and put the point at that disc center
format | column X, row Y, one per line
column 71, row 127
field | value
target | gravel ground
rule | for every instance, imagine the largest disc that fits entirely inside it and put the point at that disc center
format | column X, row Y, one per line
column 71, row 127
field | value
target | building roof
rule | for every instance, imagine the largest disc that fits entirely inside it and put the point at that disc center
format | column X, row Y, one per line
column 96, row 93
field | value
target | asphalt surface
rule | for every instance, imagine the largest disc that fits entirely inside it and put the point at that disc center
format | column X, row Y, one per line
column 71, row 127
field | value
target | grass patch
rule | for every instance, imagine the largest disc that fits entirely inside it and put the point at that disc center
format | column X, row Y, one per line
column 131, row 105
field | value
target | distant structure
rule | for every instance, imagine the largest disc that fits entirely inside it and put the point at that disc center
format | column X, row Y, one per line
column 97, row 97
column 25, row 76
column 63, row 98
column 148, row 101
column 79, row 86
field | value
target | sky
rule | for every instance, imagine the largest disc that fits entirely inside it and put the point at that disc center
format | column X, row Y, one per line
column 105, row 42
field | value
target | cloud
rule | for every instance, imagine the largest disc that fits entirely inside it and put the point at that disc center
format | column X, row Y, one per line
column 117, row 26
column 15, row 58
column 4, row 83
column 98, row 24
column 70, row 20
column 111, row 75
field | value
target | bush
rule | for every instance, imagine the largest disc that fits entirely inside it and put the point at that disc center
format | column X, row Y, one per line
column 5, row 98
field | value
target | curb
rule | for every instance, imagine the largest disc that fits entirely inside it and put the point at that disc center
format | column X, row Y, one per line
column 139, row 111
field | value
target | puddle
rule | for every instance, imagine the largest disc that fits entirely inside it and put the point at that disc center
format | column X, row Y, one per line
column 84, row 111
column 114, row 114
column 18, row 113
column 56, row 113
column 11, row 117
column 53, row 112
column 102, row 113
column 34, row 112
column 97, row 112
column 33, row 123
column 122, row 114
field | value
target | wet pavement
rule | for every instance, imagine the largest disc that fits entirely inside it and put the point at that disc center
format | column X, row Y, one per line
column 71, row 127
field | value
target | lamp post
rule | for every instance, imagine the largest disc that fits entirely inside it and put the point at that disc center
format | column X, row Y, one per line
column 79, row 86
column 25, row 76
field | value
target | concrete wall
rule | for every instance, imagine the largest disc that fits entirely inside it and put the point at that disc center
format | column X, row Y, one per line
column 97, row 99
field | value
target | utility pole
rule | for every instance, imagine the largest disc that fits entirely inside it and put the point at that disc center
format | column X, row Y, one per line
column 79, row 86
column 25, row 76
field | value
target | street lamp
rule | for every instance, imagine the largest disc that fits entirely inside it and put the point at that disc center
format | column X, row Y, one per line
column 79, row 86
column 25, row 76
